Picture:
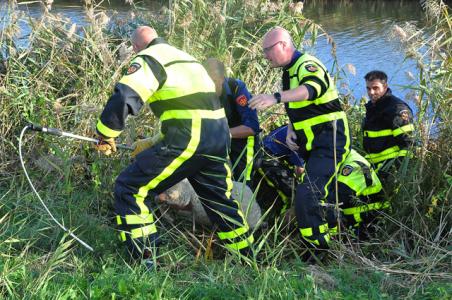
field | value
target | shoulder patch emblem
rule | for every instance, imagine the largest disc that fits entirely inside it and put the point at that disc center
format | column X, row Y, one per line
column 241, row 100
column 133, row 68
column 347, row 170
column 404, row 114
column 311, row 68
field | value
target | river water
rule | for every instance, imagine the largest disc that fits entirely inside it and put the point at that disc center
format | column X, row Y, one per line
column 359, row 28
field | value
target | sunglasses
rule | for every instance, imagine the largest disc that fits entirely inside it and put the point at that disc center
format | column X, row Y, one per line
column 269, row 48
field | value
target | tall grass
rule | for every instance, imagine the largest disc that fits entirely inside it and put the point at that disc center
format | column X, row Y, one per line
column 63, row 78
column 416, row 233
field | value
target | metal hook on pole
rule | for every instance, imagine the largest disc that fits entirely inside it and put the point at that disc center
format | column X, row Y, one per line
column 60, row 133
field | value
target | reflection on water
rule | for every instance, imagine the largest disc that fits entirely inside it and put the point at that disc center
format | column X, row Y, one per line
column 361, row 32
column 359, row 28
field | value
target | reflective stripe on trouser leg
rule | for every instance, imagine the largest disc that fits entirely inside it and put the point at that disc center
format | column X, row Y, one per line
column 357, row 211
column 155, row 170
column 319, row 174
column 176, row 163
column 285, row 199
column 144, row 226
column 242, row 157
column 213, row 186
column 324, row 233
column 249, row 157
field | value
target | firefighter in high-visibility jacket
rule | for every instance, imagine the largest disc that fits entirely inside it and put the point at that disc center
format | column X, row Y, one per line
column 243, row 122
column 318, row 129
column 360, row 197
column 194, row 143
column 388, row 125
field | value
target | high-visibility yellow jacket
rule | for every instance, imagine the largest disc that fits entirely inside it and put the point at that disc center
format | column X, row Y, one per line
column 359, row 188
column 179, row 92
column 323, row 105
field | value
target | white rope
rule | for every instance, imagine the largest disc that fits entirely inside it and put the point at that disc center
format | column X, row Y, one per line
column 84, row 244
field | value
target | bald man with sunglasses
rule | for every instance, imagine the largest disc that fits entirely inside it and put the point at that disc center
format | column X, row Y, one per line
column 318, row 130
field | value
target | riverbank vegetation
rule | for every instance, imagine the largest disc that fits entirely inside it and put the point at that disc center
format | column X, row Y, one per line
column 65, row 74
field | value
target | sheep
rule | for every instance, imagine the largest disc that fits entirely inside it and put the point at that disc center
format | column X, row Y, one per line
column 181, row 201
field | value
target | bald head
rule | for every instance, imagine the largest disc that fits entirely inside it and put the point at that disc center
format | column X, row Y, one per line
column 142, row 36
column 277, row 34
column 278, row 47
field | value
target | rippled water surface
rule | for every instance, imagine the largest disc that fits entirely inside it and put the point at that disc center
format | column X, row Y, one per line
column 360, row 29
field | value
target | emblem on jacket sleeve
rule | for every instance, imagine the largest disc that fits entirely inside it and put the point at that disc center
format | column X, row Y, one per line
column 241, row 100
column 133, row 68
column 347, row 170
column 405, row 115
column 311, row 68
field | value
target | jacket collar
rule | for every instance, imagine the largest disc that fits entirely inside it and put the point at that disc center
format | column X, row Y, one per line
column 158, row 40
column 382, row 101
column 227, row 92
column 296, row 55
